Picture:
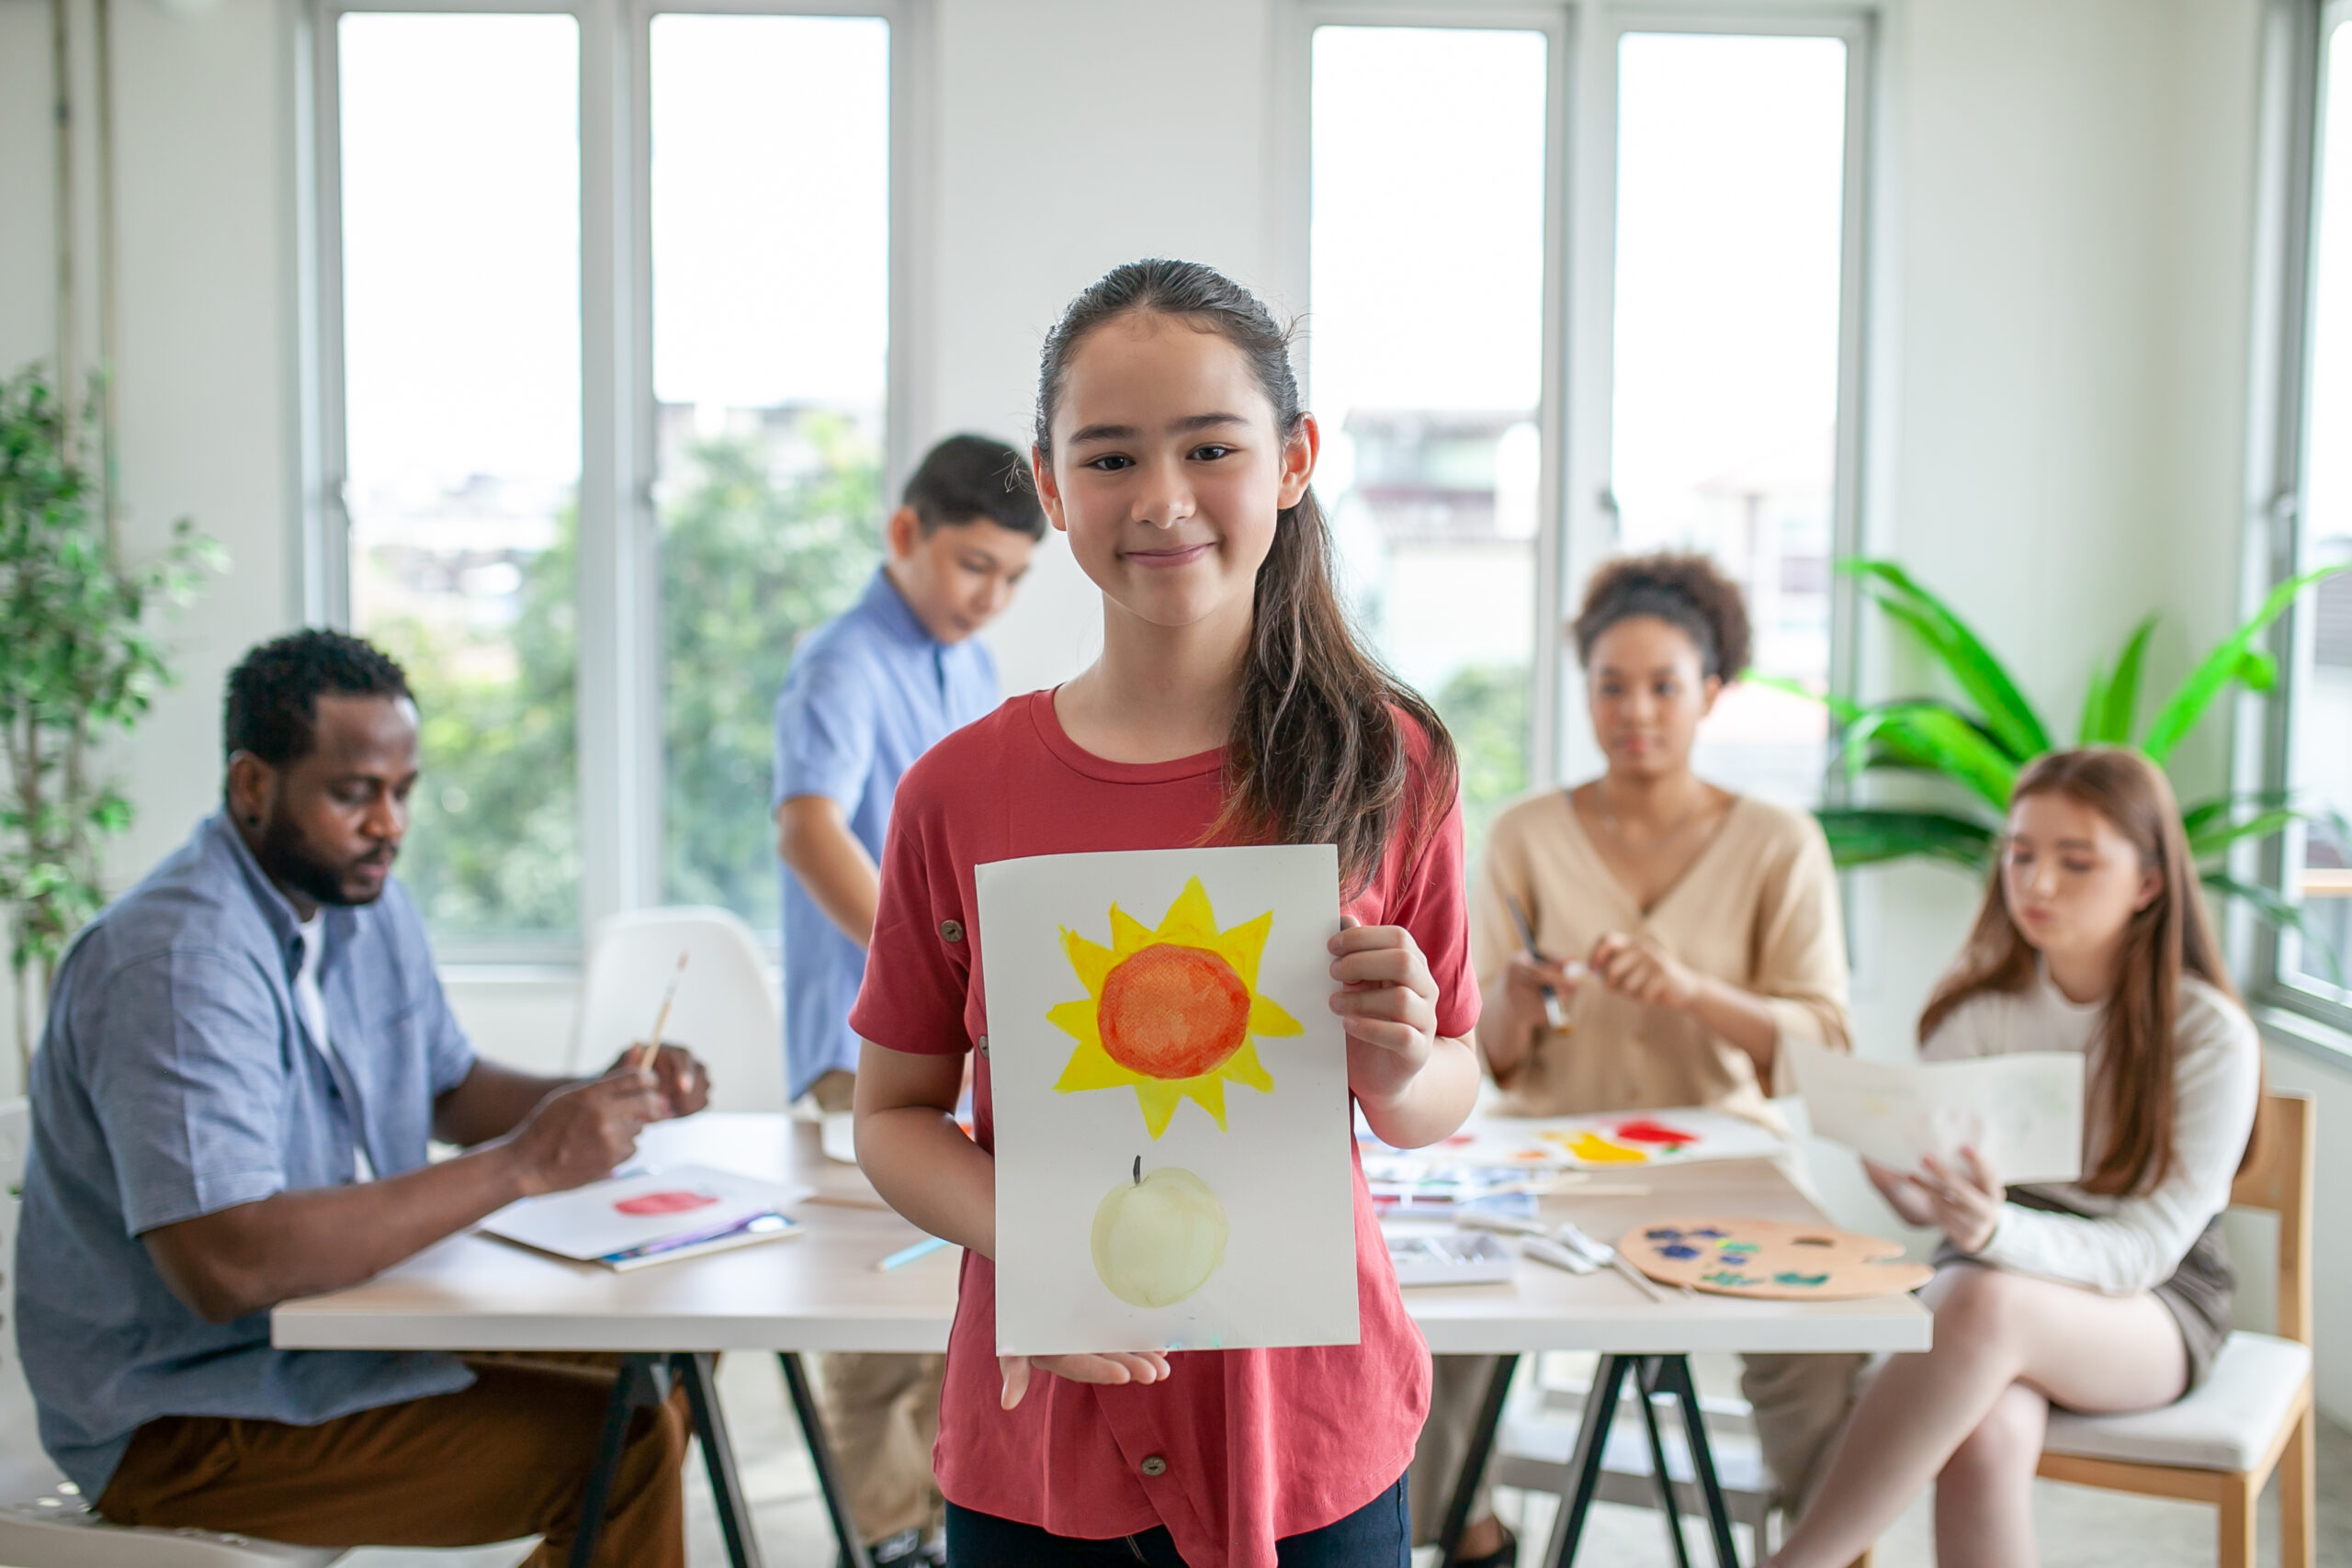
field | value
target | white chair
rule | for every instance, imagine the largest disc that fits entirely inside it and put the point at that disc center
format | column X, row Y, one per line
column 44, row 1520
column 2253, row 1412
column 724, row 1010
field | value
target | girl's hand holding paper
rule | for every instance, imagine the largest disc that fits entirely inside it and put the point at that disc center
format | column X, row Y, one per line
column 1118, row 1367
column 1903, row 1193
column 1388, row 1006
column 1964, row 1199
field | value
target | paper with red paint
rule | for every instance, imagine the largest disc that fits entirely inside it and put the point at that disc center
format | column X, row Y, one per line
column 1619, row 1141
column 628, row 1214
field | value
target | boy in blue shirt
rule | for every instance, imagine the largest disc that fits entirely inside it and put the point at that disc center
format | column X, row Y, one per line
column 870, row 692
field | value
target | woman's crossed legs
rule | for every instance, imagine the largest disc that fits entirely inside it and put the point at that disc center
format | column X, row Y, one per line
column 1968, row 1414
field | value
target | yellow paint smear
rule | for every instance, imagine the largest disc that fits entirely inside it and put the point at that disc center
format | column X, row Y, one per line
column 1595, row 1150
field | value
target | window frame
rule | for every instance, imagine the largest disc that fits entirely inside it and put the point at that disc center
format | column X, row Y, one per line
column 1575, row 521
column 620, row 708
column 2294, row 89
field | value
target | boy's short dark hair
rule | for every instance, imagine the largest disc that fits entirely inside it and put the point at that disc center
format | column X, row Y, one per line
column 970, row 478
column 273, row 704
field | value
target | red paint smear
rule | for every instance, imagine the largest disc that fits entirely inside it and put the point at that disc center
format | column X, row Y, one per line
column 1641, row 1130
column 665, row 1202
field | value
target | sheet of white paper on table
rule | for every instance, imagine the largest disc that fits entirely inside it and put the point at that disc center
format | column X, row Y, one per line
column 1597, row 1143
column 585, row 1224
column 1281, row 1167
column 2022, row 1112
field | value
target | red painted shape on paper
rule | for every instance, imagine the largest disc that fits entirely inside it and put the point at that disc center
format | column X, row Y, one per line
column 1641, row 1130
column 671, row 1202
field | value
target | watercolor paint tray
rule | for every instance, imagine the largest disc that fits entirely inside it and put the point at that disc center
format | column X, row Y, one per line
column 650, row 1217
column 1452, row 1259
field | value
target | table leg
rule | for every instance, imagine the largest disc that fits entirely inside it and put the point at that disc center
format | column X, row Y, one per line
column 1474, row 1462
column 820, row 1458
column 694, row 1370
column 1592, row 1438
column 638, row 1382
column 1647, row 1378
column 1675, row 1374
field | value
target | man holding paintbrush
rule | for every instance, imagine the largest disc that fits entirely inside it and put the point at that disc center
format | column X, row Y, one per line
column 245, row 1057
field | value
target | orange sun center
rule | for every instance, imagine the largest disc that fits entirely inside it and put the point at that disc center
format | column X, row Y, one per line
column 1174, row 1012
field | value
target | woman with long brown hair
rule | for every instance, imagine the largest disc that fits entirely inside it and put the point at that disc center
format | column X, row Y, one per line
column 2107, row 1294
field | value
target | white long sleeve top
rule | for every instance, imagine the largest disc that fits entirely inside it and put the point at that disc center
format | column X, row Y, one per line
column 2121, row 1246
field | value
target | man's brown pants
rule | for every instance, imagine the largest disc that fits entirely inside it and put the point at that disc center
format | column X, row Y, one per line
column 507, row 1458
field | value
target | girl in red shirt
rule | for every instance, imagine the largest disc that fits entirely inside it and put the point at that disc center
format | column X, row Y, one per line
column 1231, row 704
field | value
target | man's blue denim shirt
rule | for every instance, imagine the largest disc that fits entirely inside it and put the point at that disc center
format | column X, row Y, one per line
column 176, row 1079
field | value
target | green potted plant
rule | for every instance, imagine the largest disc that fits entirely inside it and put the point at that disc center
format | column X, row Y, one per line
column 1980, row 742
column 79, row 658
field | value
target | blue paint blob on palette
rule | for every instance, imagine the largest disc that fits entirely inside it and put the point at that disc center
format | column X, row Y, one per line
column 1678, row 1250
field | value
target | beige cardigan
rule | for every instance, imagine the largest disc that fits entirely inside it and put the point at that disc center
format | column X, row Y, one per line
column 1758, row 908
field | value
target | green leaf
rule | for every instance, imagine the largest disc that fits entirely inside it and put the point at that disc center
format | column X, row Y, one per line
column 2214, row 839
column 2114, row 701
column 1864, row 835
column 1940, row 739
column 2195, row 818
column 2094, row 706
column 2277, row 911
column 1845, row 710
column 2226, row 663
column 2010, row 718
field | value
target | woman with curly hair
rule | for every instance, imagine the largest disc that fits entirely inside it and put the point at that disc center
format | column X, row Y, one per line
column 1686, row 931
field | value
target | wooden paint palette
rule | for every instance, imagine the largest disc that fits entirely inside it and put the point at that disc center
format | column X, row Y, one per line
column 1770, row 1260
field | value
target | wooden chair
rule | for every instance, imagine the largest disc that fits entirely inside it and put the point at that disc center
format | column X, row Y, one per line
column 2253, row 1412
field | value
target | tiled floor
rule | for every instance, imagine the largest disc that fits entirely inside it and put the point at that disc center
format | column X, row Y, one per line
column 2079, row 1529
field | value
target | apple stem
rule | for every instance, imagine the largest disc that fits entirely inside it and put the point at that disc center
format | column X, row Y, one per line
column 1138, row 1170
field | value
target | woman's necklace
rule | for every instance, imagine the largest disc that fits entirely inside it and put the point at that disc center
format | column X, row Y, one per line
column 1608, row 823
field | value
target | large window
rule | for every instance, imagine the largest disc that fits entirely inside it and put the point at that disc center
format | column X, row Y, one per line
column 771, row 345
column 1724, row 405
column 2316, row 868
column 1427, row 360
column 688, row 279
column 460, row 240
column 1510, row 391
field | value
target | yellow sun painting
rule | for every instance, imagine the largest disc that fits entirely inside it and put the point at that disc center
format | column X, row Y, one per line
column 1170, row 1012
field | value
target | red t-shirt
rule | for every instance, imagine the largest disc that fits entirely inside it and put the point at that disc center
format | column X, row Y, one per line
column 1249, row 1446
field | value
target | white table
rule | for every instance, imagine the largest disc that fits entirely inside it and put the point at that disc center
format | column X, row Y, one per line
column 819, row 1292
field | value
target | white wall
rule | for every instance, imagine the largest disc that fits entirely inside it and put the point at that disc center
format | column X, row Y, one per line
column 2061, row 289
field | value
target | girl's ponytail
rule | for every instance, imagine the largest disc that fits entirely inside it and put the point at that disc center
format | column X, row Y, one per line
column 1318, row 751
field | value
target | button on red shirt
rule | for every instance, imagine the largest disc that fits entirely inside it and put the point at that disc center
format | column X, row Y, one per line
column 1235, row 1448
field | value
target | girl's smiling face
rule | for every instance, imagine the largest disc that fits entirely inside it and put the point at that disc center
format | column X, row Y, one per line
column 1167, row 471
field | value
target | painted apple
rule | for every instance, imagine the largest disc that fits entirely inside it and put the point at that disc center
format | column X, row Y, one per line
column 1174, row 1012
column 1158, row 1235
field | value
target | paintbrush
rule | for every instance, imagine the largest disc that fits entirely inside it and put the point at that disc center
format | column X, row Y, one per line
column 1553, row 1016
column 653, row 1042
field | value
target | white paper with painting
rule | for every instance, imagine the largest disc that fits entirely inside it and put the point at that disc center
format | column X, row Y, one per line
column 2022, row 1112
column 1173, row 1166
